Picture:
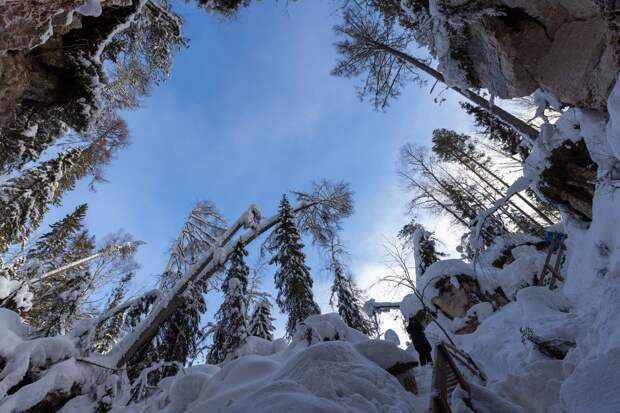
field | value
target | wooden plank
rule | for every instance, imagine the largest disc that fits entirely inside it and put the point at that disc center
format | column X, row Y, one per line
column 540, row 280
column 556, row 268
column 461, row 379
column 446, row 376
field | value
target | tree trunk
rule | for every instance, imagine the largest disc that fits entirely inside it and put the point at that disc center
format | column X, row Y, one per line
column 494, row 175
column 517, row 124
column 200, row 272
column 500, row 193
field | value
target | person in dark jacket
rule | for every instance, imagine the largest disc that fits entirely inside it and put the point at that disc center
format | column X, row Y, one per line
column 420, row 343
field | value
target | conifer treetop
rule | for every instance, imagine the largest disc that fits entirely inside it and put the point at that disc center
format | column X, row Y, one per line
column 292, row 278
column 261, row 323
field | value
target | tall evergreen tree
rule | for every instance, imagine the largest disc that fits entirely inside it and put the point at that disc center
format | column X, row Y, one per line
column 261, row 322
column 231, row 329
column 349, row 302
column 18, row 147
column 25, row 199
column 453, row 147
column 49, row 248
column 497, row 131
column 436, row 189
column 59, row 298
column 292, row 278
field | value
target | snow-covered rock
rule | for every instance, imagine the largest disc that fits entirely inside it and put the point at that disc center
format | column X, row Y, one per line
column 325, row 327
column 410, row 306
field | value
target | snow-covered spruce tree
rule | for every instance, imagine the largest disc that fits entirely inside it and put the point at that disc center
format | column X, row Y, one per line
column 43, row 256
column 25, row 199
column 59, row 298
column 225, row 7
column 292, row 278
column 49, row 248
column 349, row 300
column 17, row 147
column 424, row 245
column 231, row 328
column 261, row 322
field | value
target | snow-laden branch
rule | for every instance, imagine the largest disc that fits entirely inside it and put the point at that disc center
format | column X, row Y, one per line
column 85, row 329
column 125, row 248
column 201, row 231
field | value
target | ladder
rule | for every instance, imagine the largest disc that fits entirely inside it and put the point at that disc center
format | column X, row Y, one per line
column 556, row 244
column 446, row 376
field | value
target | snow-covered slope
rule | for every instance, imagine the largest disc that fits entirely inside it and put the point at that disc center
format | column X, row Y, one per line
column 549, row 350
column 327, row 367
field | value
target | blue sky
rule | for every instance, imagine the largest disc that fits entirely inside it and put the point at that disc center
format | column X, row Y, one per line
column 250, row 112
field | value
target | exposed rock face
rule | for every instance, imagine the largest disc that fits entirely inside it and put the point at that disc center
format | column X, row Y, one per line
column 566, row 47
column 48, row 55
column 460, row 298
column 455, row 300
column 26, row 24
column 570, row 179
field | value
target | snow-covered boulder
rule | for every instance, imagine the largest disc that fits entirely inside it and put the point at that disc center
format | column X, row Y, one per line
column 386, row 355
column 325, row 327
column 345, row 373
column 261, row 347
column 410, row 306
column 13, row 332
column 334, row 376
column 16, row 292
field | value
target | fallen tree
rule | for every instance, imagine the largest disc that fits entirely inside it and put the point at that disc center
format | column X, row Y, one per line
column 91, row 368
column 202, row 271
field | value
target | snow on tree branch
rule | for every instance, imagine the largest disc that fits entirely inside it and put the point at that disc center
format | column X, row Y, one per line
column 201, row 231
column 207, row 266
column 331, row 203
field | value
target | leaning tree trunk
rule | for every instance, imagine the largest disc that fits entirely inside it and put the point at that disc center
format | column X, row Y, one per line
column 500, row 193
column 521, row 197
column 200, row 272
column 517, row 124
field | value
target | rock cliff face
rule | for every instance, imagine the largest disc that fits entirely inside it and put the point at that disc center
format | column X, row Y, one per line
column 513, row 47
column 570, row 179
column 567, row 48
column 49, row 56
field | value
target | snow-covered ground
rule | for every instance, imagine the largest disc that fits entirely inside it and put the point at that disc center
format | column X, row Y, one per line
column 327, row 367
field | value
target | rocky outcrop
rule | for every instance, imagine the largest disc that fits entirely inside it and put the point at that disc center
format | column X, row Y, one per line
column 49, row 59
column 570, row 178
column 513, row 47
column 454, row 299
